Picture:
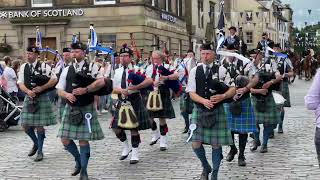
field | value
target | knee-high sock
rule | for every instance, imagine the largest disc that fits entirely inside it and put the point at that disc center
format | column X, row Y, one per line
column 154, row 126
column 135, row 141
column 201, row 154
column 216, row 161
column 282, row 119
column 163, row 129
column 242, row 143
column 41, row 136
column 122, row 136
column 73, row 150
column 233, row 146
column 84, row 156
column 267, row 130
column 30, row 132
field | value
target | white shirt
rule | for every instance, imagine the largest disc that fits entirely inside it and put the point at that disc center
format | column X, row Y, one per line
column 187, row 63
column 118, row 77
column 48, row 71
column 62, row 84
column 149, row 71
column 11, row 79
column 191, row 86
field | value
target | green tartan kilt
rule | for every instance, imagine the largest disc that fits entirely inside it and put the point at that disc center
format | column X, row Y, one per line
column 61, row 106
column 284, row 87
column 186, row 104
column 81, row 132
column 43, row 117
column 167, row 111
column 272, row 114
column 246, row 121
column 138, row 105
column 219, row 134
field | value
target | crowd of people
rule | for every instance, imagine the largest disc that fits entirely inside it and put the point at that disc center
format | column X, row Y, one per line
column 219, row 97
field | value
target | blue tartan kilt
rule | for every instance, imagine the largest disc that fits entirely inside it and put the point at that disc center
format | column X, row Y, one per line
column 140, row 110
column 167, row 111
column 245, row 122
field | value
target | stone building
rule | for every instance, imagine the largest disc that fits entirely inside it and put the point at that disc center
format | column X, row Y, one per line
column 154, row 23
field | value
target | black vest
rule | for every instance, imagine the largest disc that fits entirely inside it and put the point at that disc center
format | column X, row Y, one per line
column 35, row 78
column 74, row 81
column 206, row 87
column 265, row 76
column 280, row 67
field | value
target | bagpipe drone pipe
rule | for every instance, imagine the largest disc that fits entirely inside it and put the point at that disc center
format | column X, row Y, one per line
column 136, row 78
column 174, row 85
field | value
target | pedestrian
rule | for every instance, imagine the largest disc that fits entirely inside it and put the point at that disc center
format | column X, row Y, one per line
column 11, row 78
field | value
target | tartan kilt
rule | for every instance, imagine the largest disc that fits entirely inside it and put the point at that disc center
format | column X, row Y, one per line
column 61, row 106
column 167, row 111
column 43, row 117
column 284, row 87
column 219, row 134
column 140, row 110
column 186, row 104
column 81, row 132
column 244, row 123
column 272, row 114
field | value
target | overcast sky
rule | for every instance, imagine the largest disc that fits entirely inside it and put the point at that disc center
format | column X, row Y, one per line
column 300, row 8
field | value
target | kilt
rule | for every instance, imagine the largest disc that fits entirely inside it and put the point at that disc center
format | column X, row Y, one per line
column 245, row 122
column 219, row 134
column 140, row 110
column 167, row 111
column 43, row 117
column 272, row 114
column 61, row 106
column 81, row 132
column 186, row 104
column 284, row 87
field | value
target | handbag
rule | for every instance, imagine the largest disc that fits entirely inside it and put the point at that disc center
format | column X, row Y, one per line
column 208, row 118
column 75, row 116
column 127, row 117
column 235, row 108
column 154, row 102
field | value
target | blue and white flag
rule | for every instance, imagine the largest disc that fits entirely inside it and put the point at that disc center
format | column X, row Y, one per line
column 74, row 39
column 1, row 69
column 93, row 37
column 38, row 38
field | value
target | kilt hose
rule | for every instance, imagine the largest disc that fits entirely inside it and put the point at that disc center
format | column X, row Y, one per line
column 271, row 116
column 44, row 116
column 246, row 121
column 218, row 135
column 140, row 110
column 81, row 132
column 284, row 87
column 167, row 111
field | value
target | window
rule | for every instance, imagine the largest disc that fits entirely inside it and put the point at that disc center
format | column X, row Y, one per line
column 13, row 3
column 168, row 8
column 180, row 48
column 249, row 15
column 249, row 37
column 108, row 40
column 100, row 2
column 163, row 4
column 211, row 12
column 77, row 2
column 156, row 42
column 41, row 3
column 154, row 3
column 200, row 14
column 179, row 7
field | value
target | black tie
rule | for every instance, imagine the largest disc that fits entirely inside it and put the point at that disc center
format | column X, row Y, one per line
column 31, row 68
column 123, row 79
column 207, row 72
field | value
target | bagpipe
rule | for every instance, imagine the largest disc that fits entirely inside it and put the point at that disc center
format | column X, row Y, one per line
column 174, row 85
column 136, row 78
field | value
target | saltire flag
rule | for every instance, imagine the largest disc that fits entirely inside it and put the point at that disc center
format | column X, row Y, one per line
column 38, row 38
column 93, row 37
column 74, row 39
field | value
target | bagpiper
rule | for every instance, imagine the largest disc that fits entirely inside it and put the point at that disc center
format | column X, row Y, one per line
column 285, row 68
column 186, row 104
column 209, row 117
column 36, row 78
column 265, row 108
column 127, row 85
column 162, row 90
column 240, row 113
column 232, row 42
column 79, row 120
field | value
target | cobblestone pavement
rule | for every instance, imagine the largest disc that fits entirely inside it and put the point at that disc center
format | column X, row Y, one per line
column 291, row 155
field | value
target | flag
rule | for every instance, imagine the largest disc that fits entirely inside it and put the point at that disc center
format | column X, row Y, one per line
column 93, row 37
column 221, row 22
column 1, row 70
column 74, row 39
column 38, row 38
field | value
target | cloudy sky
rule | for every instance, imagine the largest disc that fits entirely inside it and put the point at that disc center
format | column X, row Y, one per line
column 301, row 14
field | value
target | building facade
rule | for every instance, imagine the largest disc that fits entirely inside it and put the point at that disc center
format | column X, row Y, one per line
column 153, row 23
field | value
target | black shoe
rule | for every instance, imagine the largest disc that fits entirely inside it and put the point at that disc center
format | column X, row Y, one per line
column 185, row 130
column 231, row 154
column 124, row 157
column 205, row 174
column 271, row 136
column 39, row 157
column 255, row 145
column 264, row 149
column 242, row 161
column 280, row 130
column 76, row 171
column 33, row 151
column 163, row 148
column 134, row 161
